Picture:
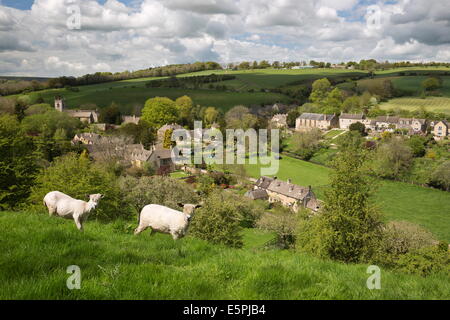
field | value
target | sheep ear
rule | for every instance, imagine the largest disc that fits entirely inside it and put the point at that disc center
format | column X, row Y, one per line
column 180, row 205
column 198, row 206
column 87, row 196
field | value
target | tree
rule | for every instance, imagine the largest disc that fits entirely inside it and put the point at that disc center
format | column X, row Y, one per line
column 77, row 177
column 393, row 159
column 305, row 144
column 159, row 111
column 349, row 227
column 431, row 84
column 333, row 102
column 320, row 90
column 352, row 105
column 292, row 117
column 417, row 145
column 111, row 114
column 211, row 115
column 240, row 117
column 18, row 164
column 218, row 222
column 359, row 127
column 441, row 176
column 185, row 106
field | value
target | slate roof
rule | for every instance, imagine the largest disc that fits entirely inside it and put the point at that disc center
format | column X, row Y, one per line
column 387, row 119
column 289, row 189
column 257, row 194
column 352, row 116
column 263, row 182
column 317, row 116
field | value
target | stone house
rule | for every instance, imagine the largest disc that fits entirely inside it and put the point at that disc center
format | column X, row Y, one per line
column 130, row 119
column 162, row 131
column 414, row 126
column 87, row 116
column 441, row 130
column 279, row 121
column 386, row 123
column 288, row 194
column 307, row 121
column 347, row 119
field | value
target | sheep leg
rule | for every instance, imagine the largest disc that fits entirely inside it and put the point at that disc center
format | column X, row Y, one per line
column 51, row 211
column 175, row 235
column 79, row 223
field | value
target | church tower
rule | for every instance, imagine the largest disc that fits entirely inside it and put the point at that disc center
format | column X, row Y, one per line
column 59, row 104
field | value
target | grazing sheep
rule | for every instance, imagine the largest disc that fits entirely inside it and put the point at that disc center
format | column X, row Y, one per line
column 67, row 207
column 165, row 220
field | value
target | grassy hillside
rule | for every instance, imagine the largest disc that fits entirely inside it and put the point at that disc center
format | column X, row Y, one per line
column 131, row 94
column 398, row 201
column 36, row 251
column 431, row 104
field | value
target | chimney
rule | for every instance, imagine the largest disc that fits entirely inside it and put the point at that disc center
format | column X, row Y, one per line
column 291, row 188
column 289, row 181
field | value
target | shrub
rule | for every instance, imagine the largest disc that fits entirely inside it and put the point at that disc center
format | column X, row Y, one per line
column 401, row 237
column 78, row 177
column 218, row 222
column 284, row 223
column 138, row 192
column 426, row 261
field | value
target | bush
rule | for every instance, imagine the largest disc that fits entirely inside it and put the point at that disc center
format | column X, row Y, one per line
column 78, row 177
column 401, row 237
column 138, row 192
column 218, row 222
column 426, row 261
column 284, row 223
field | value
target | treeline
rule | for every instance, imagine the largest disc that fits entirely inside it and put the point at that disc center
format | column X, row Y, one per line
column 188, row 82
column 8, row 87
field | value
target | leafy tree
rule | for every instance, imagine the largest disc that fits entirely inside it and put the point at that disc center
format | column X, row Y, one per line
column 218, row 222
column 349, row 227
column 185, row 106
column 359, row 127
column 417, row 145
column 211, row 115
column 305, row 144
column 159, row 111
column 18, row 164
column 240, row 117
column 168, row 143
column 141, row 133
column 292, row 117
column 78, row 177
column 138, row 192
column 320, row 90
column 393, row 159
column 333, row 102
column 352, row 104
column 441, row 176
column 431, row 84
column 111, row 114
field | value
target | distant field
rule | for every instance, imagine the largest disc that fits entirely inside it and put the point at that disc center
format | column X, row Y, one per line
column 133, row 96
column 390, row 72
column 432, row 104
column 398, row 201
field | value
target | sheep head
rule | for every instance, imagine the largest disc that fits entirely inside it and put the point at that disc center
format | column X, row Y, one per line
column 189, row 209
column 95, row 197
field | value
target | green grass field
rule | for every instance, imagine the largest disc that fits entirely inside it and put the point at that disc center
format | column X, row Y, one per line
column 37, row 249
column 430, row 104
column 132, row 94
column 397, row 201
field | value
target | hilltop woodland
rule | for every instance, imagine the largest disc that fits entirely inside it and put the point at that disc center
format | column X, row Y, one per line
column 36, row 156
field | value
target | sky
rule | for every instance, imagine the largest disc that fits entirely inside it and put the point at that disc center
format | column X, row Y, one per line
column 74, row 37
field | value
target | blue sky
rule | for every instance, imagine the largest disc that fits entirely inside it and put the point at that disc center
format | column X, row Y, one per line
column 117, row 35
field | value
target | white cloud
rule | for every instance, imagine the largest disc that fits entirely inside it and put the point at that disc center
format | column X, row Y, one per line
column 115, row 37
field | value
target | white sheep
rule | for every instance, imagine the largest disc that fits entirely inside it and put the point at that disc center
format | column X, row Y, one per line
column 67, row 207
column 166, row 220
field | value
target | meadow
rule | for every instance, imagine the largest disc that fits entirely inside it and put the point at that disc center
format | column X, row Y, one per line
column 132, row 94
column 37, row 249
column 396, row 200
column 429, row 104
